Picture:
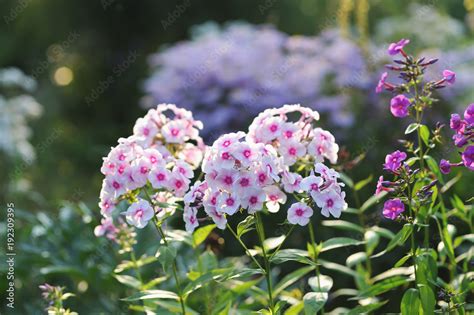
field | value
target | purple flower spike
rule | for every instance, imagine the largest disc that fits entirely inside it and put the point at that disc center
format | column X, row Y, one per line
column 399, row 106
column 392, row 208
column 381, row 83
column 445, row 166
column 449, row 76
column 455, row 122
column 469, row 114
column 468, row 157
column 396, row 48
column 394, row 160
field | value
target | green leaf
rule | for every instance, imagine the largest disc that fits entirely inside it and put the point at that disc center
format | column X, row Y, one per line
column 383, row 286
column 361, row 184
column 128, row 281
column 337, row 267
column 411, row 127
column 152, row 295
column 273, row 242
column 434, row 168
column 356, row 258
column 166, row 255
column 372, row 200
column 427, row 298
column 338, row 242
column 343, row 225
column 425, row 134
column 399, row 239
column 366, row 309
column 402, row 261
column 323, row 285
column 291, row 278
column 314, row 301
column 295, row 309
column 201, row 234
column 372, row 239
column 410, row 304
column 426, row 269
column 285, row 255
column 245, row 226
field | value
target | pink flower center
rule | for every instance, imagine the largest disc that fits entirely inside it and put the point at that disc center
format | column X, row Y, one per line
column 228, row 180
column 329, row 202
column 179, row 184
column 225, row 155
column 253, row 200
column 116, row 185
column 273, row 197
column 314, row 186
column 139, row 213
column 273, row 128
column 289, row 134
column 174, row 132
column 160, row 176
column 262, row 177
column 247, row 153
column 244, row 182
column 153, row 160
column 230, row 202
column 143, row 169
column 292, row 151
column 299, row 212
column 226, row 144
column 146, row 131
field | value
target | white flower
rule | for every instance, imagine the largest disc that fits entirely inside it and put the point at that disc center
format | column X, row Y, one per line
column 275, row 197
column 311, row 184
column 216, row 216
column 159, row 177
column 140, row 170
column 174, row 131
column 299, row 213
column 254, row 200
column 228, row 203
column 291, row 151
column 190, row 218
column 331, row 202
column 139, row 213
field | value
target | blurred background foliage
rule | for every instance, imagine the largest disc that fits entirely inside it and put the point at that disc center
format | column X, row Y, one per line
column 71, row 48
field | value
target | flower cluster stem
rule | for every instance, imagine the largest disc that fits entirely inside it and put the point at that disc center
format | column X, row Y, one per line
column 314, row 257
column 175, row 270
column 268, row 276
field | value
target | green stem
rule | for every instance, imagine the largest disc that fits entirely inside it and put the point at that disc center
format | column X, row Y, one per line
column 279, row 246
column 135, row 266
column 412, row 235
column 175, row 269
column 315, row 257
column 261, row 235
column 360, row 215
column 247, row 251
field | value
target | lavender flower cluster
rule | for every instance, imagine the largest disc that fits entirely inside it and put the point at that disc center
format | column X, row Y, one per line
column 227, row 76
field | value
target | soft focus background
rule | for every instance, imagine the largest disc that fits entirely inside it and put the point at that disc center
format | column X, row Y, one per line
column 75, row 75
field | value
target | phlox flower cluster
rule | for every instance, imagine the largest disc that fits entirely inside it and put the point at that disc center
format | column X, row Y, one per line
column 463, row 139
column 161, row 154
column 258, row 170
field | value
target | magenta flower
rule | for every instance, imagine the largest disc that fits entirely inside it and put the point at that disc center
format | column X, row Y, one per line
column 468, row 157
column 449, row 76
column 399, row 106
column 445, row 166
column 469, row 114
column 381, row 83
column 394, row 160
column 396, row 48
column 392, row 208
